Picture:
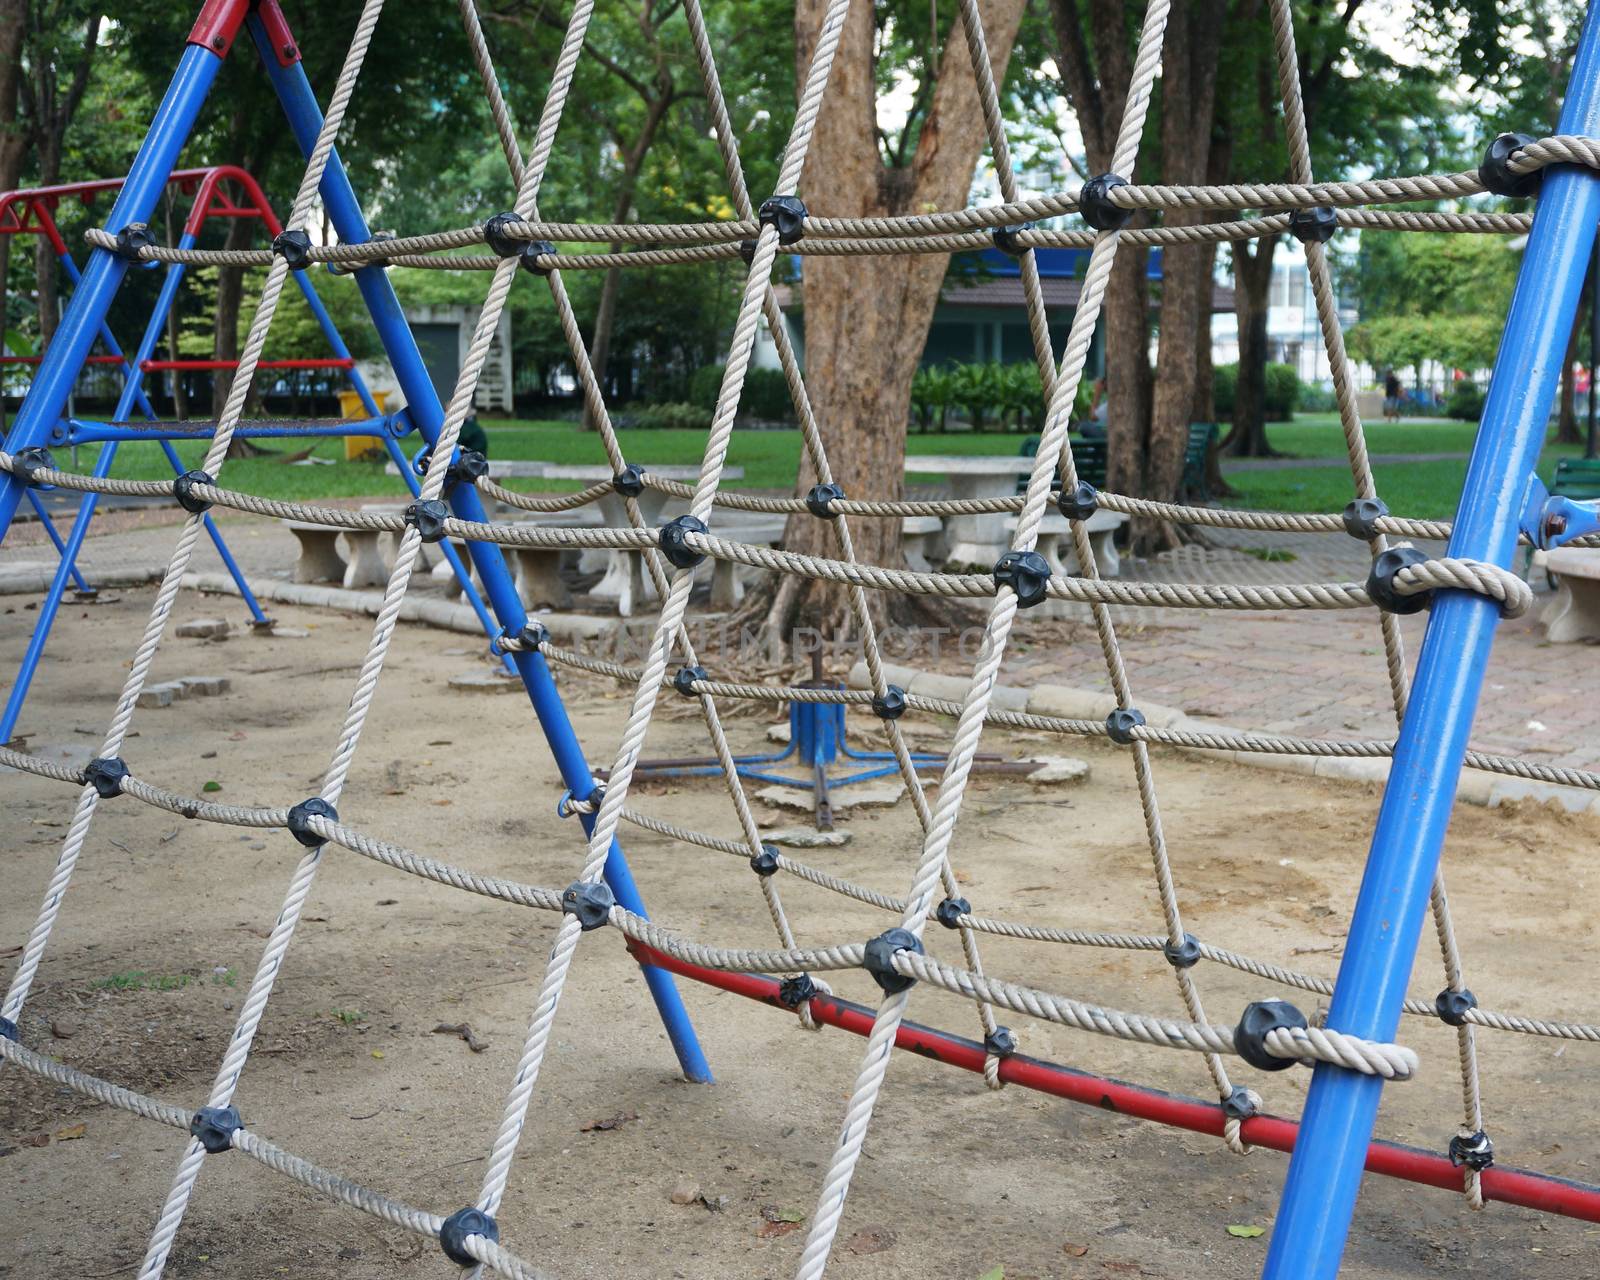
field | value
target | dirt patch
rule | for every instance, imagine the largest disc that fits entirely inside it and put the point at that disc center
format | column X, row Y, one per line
column 165, row 924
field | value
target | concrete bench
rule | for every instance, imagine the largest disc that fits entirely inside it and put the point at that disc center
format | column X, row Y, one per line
column 921, row 539
column 1574, row 614
column 727, row 576
column 319, row 560
column 1055, row 542
column 372, row 551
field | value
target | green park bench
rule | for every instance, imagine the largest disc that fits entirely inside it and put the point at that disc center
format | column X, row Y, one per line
column 1577, row 478
column 1090, row 456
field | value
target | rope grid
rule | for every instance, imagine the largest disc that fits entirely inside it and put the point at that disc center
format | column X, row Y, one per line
column 755, row 239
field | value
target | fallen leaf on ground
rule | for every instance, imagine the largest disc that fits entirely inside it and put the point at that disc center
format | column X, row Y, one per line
column 212, row 785
column 613, row 1122
column 71, row 1131
column 1246, row 1233
column 464, row 1030
column 870, row 1240
column 772, row 1230
column 998, row 1273
column 1074, row 1250
column 36, row 1140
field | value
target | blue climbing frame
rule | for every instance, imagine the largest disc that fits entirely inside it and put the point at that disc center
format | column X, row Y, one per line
column 210, row 41
column 1319, row 1194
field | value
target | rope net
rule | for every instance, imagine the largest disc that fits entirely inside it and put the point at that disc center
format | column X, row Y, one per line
column 898, row 959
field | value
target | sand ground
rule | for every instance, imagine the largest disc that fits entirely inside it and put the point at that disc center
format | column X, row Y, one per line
column 165, row 920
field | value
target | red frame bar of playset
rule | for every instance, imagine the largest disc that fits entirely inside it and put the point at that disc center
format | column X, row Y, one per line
column 1391, row 1159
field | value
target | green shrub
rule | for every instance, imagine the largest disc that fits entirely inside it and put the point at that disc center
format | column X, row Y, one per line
column 1465, row 402
column 1224, row 386
column 669, row 416
column 932, row 394
column 765, row 396
column 1282, row 392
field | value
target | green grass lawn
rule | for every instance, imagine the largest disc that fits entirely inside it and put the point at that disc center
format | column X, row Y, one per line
column 771, row 460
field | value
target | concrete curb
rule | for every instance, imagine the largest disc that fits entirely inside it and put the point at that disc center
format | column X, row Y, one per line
column 34, row 577
column 429, row 611
column 1491, row 789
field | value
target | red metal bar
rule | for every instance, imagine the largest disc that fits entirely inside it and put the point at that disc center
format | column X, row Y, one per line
column 278, row 33
column 1391, row 1159
column 218, row 24
column 38, row 202
column 152, row 366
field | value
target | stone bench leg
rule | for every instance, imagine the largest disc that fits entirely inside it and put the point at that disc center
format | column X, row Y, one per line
column 539, row 577
column 915, row 547
column 445, row 576
column 726, row 588
column 1575, row 612
column 367, row 567
column 1103, row 546
column 319, row 560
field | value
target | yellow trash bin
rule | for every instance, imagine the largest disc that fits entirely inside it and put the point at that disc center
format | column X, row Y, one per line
column 350, row 407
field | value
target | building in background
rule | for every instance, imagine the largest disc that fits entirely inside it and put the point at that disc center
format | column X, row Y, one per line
column 1294, row 336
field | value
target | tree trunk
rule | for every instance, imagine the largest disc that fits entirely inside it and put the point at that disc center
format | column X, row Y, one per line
column 1128, row 376
column 1252, row 285
column 1567, row 422
column 1188, row 95
column 46, row 291
column 633, row 162
column 865, row 330
column 13, row 138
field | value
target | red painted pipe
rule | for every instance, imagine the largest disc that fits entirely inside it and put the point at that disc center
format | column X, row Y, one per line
column 36, row 359
column 1510, row 1186
column 151, row 366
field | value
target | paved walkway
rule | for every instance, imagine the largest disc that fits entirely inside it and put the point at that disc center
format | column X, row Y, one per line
column 1296, row 464
column 1313, row 674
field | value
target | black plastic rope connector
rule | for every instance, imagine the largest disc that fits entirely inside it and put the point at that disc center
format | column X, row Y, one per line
column 820, row 499
column 684, row 680
column 590, row 901
column 105, row 775
column 1001, row 1042
column 796, row 991
column 879, row 959
column 949, row 912
column 1495, row 170
column 1315, row 225
column 428, row 518
column 1240, row 1104
column 469, row 467
column 455, row 1229
column 1121, row 723
column 27, row 463
column 765, row 863
column 1453, row 1006
column 1025, row 572
column 629, row 482
column 787, row 214
column 532, row 251
column 1005, row 240
column 184, row 494
column 494, row 235
column 678, row 552
column 890, row 704
column 1250, row 1036
column 8, row 1031
column 1380, row 581
column 532, row 635
column 215, row 1127
column 1361, row 517
column 1183, row 955
column 1081, row 503
column 1094, row 203
column 294, row 247
column 747, row 251
column 131, row 239
column 1474, row 1150
column 299, row 821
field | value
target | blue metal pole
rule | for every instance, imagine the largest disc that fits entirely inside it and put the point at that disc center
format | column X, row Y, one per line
column 305, row 118
column 133, row 395
column 1341, row 1106
column 62, row 360
column 43, row 513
